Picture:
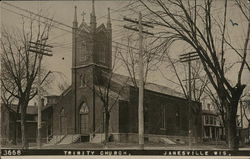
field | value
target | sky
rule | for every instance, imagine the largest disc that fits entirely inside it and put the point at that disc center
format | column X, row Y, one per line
column 61, row 39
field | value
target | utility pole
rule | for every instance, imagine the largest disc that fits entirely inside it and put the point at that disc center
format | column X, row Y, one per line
column 141, row 75
column 188, row 57
column 41, row 49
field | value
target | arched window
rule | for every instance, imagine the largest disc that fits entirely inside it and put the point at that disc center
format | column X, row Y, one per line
column 83, row 112
column 84, row 109
column 82, row 80
column 83, row 51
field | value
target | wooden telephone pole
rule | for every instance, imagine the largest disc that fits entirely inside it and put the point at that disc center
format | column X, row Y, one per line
column 188, row 57
column 41, row 49
column 141, row 74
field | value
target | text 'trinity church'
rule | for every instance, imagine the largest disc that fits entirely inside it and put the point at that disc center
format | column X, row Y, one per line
column 77, row 115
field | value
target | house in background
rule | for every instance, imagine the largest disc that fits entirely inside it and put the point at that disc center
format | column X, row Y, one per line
column 8, row 126
column 244, row 119
column 212, row 127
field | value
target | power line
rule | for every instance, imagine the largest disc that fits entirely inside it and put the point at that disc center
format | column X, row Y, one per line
column 55, row 22
column 35, row 19
column 61, row 29
column 37, row 15
column 116, row 10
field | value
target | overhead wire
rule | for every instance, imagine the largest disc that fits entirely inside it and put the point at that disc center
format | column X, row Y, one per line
column 62, row 24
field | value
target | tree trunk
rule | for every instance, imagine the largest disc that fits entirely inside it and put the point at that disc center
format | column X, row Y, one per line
column 15, row 129
column 23, row 126
column 226, row 131
column 107, row 117
column 233, row 140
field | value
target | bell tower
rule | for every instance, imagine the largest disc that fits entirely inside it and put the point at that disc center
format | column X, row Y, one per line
column 91, row 55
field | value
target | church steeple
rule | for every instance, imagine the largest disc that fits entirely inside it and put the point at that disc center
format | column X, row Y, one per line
column 93, row 17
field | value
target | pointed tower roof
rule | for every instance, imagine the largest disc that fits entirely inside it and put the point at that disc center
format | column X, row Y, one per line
column 92, row 16
column 75, row 18
column 108, row 20
column 93, row 7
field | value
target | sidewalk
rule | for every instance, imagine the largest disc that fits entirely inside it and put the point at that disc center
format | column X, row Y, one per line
column 133, row 146
column 147, row 146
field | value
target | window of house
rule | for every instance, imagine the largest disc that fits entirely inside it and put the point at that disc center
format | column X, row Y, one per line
column 214, row 121
column 208, row 106
column 163, row 116
column 206, row 120
column 211, row 120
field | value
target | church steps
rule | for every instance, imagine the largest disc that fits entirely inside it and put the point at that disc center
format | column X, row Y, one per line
column 98, row 138
column 69, row 139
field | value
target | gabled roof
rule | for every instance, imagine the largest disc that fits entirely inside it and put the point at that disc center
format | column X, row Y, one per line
column 66, row 91
column 101, row 27
column 149, row 86
column 125, row 80
column 84, row 26
column 100, row 90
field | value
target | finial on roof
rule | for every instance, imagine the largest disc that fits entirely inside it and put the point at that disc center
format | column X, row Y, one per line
column 93, row 17
column 83, row 14
column 93, row 7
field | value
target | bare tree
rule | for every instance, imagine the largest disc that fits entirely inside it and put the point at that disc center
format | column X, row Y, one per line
column 108, row 92
column 129, row 57
column 19, row 65
column 194, row 23
column 7, row 101
column 199, row 80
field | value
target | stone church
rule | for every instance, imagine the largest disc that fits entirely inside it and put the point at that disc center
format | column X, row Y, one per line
column 78, row 114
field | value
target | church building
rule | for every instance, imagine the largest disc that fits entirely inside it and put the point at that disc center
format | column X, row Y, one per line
column 77, row 115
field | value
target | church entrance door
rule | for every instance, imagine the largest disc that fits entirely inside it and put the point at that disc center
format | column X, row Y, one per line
column 84, row 123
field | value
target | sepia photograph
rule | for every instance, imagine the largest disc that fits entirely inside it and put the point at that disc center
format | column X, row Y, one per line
column 125, row 78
